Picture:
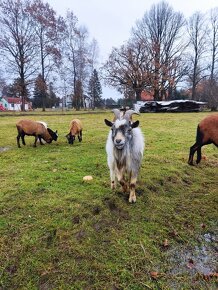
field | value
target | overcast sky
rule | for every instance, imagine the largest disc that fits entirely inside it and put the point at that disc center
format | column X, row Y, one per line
column 110, row 21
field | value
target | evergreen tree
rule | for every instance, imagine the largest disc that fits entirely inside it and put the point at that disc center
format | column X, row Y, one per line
column 40, row 92
column 95, row 90
column 52, row 100
column 14, row 89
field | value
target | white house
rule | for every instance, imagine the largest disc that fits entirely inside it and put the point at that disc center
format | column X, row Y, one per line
column 14, row 104
column 67, row 102
column 3, row 104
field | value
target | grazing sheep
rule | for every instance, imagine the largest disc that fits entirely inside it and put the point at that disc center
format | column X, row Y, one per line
column 207, row 133
column 76, row 128
column 37, row 129
column 124, row 147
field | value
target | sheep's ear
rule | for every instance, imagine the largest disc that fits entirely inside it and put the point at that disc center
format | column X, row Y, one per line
column 108, row 123
column 135, row 124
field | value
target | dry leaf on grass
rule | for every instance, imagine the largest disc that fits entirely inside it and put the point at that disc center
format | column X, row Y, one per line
column 154, row 274
column 166, row 243
column 190, row 264
column 87, row 178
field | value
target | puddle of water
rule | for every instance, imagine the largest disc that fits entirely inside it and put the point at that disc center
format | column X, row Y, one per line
column 208, row 237
column 202, row 259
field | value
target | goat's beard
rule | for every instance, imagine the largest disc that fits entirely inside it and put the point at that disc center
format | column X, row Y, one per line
column 119, row 146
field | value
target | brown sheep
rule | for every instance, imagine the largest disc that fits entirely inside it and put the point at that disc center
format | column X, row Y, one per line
column 34, row 128
column 76, row 128
column 207, row 133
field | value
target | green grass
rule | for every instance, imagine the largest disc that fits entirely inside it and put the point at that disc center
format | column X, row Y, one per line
column 59, row 232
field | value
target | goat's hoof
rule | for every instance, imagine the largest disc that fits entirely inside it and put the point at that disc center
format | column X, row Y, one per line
column 113, row 186
column 132, row 199
column 124, row 189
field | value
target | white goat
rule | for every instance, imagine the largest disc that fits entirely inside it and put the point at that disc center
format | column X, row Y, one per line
column 124, row 147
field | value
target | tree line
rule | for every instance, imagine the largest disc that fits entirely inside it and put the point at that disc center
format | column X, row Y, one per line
column 165, row 51
column 46, row 52
column 40, row 49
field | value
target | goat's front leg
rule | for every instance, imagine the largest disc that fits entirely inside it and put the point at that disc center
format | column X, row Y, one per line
column 132, row 195
column 112, row 175
column 121, row 179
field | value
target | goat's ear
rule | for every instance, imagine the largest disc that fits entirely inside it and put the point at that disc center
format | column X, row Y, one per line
column 135, row 124
column 108, row 123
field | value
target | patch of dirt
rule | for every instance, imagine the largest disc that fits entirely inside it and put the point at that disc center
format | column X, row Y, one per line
column 81, row 235
column 12, row 269
column 115, row 209
column 76, row 219
column 96, row 210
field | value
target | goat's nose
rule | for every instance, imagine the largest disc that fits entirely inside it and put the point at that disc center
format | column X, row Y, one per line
column 118, row 141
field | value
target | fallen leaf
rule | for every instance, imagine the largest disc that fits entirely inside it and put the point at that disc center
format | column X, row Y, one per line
column 87, row 178
column 154, row 274
column 174, row 233
column 54, row 170
column 166, row 243
column 190, row 264
column 206, row 277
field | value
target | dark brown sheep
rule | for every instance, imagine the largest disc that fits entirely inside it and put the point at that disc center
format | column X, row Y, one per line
column 207, row 133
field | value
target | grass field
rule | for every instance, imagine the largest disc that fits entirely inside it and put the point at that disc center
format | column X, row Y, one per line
column 59, row 232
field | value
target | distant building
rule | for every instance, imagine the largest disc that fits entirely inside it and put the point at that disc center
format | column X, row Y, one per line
column 87, row 102
column 147, row 96
column 3, row 104
column 14, row 104
column 67, row 102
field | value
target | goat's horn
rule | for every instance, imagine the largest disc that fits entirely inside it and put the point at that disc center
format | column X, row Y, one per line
column 116, row 113
column 129, row 113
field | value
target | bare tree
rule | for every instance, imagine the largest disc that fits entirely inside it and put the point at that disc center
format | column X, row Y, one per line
column 2, row 85
column 161, row 31
column 48, row 28
column 93, row 54
column 211, row 92
column 78, row 95
column 213, row 37
column 126, row 69
column 197, row 30
column 152, row 59
column 77, row 56
column 17, row 41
